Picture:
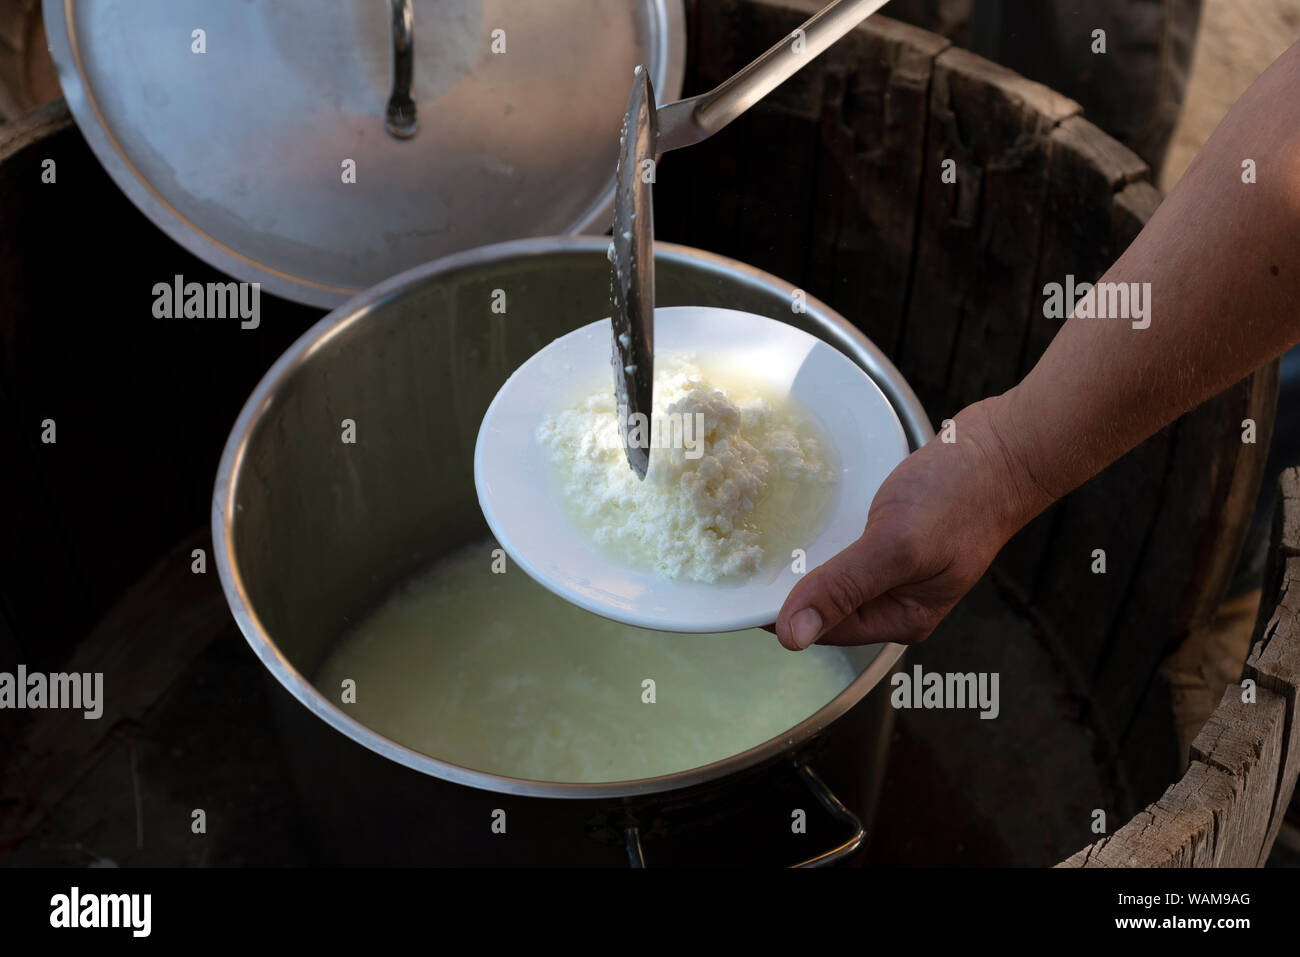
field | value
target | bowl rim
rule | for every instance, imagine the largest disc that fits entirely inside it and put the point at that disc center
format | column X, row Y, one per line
column 910, row 412
column 735, row 606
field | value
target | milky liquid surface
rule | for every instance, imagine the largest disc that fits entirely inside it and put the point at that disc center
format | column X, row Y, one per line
column 493, row 672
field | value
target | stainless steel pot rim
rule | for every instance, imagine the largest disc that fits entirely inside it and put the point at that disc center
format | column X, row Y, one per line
column 355, row 310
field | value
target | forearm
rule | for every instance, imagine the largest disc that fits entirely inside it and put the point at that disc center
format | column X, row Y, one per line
column 1223, row 261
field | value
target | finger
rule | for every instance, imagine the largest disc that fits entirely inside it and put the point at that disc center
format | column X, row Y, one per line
column 836, row 589
column 887, row 618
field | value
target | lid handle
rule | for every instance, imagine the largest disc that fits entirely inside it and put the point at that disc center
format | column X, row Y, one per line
column 400, row 120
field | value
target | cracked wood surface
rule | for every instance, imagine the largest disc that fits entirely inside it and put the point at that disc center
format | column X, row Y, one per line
column 1274, row 660
column 1227, row 809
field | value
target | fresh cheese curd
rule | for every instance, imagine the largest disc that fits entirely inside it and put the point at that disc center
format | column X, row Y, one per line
column 493, row 672
column 738, row 477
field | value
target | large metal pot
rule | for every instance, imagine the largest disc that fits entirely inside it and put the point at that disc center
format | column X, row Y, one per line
column 311, row 532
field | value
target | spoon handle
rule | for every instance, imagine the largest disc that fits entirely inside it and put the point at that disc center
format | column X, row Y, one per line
column 689, row 121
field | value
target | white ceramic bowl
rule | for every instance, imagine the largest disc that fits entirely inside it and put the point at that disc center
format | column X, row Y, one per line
column 532, row 522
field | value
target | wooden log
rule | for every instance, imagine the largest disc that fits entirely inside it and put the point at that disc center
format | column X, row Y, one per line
column 1202, row 665
column 1244, row 740
column 1131, row 209
column 1023, row 560
column 1156, row 588
column 1217, row 815
column 1284, row 543
column 982, row 229
column 1185, row 571
column 142, row 406
column 781, row 144
column 141, row 647
column 1176, row 831
column 1070, row 190
column 872, row 148
column 1112, row 513
column 1040, row 192
column 819, row 183
column 16, row 29
column 707, row 176
column 1274, row 664
column 1229, row 807
column 1085, row 171
column 42, row 595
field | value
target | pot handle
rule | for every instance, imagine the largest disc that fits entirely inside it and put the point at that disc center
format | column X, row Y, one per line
column 837, row 810
column 636, row 856
column 400, row 116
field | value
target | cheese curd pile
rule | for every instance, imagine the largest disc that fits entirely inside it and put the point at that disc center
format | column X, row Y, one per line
column 695, row 516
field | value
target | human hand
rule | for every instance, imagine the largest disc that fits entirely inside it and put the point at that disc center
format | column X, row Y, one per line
column 934, row 526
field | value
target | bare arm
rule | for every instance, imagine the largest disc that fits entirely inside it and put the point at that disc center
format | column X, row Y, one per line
column 1222, row 258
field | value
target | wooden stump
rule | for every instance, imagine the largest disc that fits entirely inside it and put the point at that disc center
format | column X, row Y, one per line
column 834, row 183
column 1229, row 806
column 141, row 407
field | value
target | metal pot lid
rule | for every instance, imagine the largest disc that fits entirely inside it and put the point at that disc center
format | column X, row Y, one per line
column 268, row 154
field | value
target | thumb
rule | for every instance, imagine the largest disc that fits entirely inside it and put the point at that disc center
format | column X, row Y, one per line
column 834, row 590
